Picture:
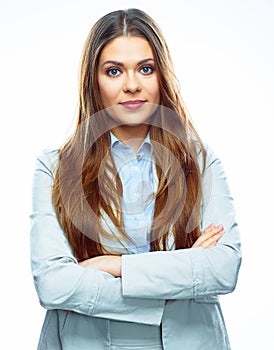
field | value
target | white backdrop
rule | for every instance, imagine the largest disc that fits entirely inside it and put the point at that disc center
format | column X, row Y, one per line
column 223, row 54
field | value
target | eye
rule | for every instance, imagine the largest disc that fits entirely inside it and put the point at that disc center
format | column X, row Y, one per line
column 147, row 70
column 113, row 72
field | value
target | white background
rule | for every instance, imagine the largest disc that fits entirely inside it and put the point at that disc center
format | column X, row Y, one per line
column 223, row 55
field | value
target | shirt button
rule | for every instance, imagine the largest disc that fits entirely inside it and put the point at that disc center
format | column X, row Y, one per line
column 135, row 168
column 137, row 194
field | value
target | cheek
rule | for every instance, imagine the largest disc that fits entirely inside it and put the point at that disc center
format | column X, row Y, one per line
column 108, row 93
column 155, row 91
column 104, row 94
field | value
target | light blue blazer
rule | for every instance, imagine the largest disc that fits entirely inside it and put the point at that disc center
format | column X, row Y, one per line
column 177, row 288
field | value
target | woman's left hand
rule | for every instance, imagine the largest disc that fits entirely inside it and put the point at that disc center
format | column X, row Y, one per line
column 210, row 236
column 107, row 263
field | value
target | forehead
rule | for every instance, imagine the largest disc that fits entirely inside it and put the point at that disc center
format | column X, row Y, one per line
column 126, row 48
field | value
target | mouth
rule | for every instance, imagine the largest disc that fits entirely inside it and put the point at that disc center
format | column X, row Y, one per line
column 133, row 104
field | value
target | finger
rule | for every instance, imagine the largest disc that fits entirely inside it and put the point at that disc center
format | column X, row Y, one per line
column 209, row 228
column 211, row 231
column 209, row 234
column 213, row 240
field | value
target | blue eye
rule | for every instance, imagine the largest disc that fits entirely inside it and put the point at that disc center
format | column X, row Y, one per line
column 113, row 72
column 147, row 70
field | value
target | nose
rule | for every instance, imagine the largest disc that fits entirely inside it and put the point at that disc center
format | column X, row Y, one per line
column 131, row 83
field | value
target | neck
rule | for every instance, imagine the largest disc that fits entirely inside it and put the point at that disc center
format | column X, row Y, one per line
column 132, row 136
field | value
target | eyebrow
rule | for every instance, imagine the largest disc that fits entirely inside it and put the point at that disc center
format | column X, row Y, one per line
column 117, row 63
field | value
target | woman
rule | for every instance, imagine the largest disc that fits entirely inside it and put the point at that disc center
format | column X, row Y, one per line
column 133, row 227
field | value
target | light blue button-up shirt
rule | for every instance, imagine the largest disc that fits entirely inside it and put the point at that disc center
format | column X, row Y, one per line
column 136, row 173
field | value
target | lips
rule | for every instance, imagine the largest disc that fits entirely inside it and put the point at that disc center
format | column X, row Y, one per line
column 133, row 104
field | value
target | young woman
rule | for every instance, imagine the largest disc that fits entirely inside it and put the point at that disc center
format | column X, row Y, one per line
column 133, row 227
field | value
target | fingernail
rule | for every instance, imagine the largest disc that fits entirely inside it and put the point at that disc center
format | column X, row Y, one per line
column 220, row 233
column 220, row 226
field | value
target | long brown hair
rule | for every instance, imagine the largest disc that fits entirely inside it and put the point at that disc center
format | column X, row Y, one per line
column 178, row 195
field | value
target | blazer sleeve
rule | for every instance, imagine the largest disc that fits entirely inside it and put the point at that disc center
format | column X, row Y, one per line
column 195, row 272
column 61, row 283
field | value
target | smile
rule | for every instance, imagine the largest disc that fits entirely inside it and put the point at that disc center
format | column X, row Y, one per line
column 133, row 104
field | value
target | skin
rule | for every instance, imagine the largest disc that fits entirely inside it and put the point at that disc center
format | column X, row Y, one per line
column 127, row 72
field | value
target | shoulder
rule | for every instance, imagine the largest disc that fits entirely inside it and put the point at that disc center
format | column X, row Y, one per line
column 47, row 161
column 210, row 154
column 206, row 156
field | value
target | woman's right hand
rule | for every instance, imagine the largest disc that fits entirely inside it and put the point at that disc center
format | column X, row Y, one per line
column 106, row 263
column 210, row 236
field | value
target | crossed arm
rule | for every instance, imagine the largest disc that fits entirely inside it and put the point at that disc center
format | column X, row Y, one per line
column 112, row 263
column 62, row 283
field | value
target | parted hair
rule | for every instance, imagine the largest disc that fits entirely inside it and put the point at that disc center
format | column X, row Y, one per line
column 84, row 177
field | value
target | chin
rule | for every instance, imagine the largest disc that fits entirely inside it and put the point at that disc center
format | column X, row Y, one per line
column 122, row 116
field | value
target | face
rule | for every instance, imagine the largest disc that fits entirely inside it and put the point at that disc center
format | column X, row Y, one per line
column 128, row 81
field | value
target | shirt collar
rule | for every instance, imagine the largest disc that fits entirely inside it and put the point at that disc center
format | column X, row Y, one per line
column 114, row 141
